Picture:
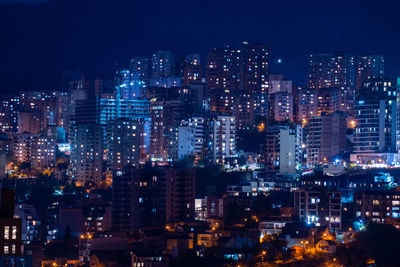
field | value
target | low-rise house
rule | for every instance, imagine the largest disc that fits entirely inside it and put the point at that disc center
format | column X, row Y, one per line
column 149, row 261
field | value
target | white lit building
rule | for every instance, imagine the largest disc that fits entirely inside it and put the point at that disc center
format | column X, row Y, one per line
column 191, row 137
column 43, row 152
column 283, row 150
column 22, row 146
column 221, row 139
column 86, row 161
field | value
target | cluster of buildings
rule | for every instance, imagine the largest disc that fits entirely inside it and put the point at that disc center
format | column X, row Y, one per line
column 143, row 136
column 165, row 109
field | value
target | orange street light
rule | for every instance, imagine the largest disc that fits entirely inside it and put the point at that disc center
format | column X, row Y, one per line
column 262, row 255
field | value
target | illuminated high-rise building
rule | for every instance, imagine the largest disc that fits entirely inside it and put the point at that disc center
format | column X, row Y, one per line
column 281, row 98
column 128, row 84
column 162, row 64
column 376, row 121
column 255, row 67
column 77, row 91
column 282, row 151
column 224, row 68
column 166, row 116
column 232, row 68
column 306, row 105
column 326, row 138
column 243, row 68
column 369, row 67
column 43, row 152
column 328, row 70
column 163, row 72
column 320, row 70
column 38, row 150
column 192, row 70
column 237, row 68
column 220, row 139
column 328, row 101
column 214, row 69
column 221, row 101
column 141, row 66
column 5, row 117
column 111, row 109
column 86, row 160
column 243, row 109
column 21, row 146
column 123, row 145
column 320, row 207
column 33, row 111
column 191, row 137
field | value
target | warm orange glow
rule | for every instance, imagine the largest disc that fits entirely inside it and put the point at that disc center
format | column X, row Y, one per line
column 304, row 122
column 261, row 127
column 370, row 261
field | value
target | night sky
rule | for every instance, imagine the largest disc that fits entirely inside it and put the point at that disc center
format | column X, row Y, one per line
column 39, row 38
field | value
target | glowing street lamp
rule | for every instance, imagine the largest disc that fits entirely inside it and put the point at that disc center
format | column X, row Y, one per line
column 263, row 253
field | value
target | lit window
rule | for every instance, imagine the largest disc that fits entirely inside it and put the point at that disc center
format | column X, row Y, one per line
column 14, row 232
column 6, row 232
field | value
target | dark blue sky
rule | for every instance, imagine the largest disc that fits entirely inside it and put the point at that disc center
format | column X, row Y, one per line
column 42, row 38
column 22, row 1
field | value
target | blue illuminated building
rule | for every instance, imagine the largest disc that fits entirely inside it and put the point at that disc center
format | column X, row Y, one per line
column 375, row 116
column 129, row 84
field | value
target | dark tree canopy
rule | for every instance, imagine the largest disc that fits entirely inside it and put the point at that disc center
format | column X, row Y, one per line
column 379, row 242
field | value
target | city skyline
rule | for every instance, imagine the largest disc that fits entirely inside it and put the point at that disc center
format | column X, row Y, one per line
column 210, row 133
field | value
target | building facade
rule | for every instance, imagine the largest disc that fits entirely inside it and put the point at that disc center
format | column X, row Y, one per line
column 326, row 138
column 369, row 67
column 376, row 121
column 283, row 150
column 319, row 207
